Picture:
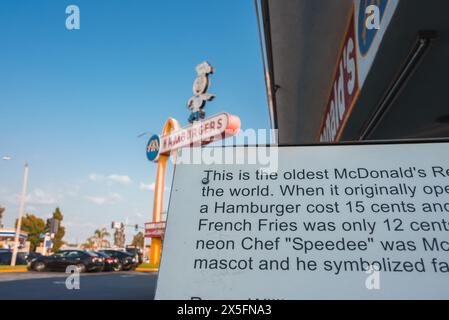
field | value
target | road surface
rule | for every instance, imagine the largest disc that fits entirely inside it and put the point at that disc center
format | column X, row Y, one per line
column 98, row 286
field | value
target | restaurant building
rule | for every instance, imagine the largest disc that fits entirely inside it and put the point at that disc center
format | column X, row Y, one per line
column 352, row 70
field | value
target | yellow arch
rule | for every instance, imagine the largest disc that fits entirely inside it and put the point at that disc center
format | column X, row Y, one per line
column 158, row 204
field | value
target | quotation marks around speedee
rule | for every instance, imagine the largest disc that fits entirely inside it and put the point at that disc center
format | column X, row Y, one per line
column 72, row 21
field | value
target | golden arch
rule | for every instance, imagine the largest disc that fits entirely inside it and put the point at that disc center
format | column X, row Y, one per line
column 156, row 243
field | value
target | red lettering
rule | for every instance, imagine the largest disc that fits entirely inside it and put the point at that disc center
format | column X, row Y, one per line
column 344, row 90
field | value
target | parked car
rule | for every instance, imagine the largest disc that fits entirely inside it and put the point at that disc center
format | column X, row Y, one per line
column 6, row 256
column 126, row 261
column 110, row 263
column 82, row 259
column 137, row 253
column 32, row 255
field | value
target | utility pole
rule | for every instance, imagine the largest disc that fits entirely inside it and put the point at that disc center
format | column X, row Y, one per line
column 19, row 220
column 2, row 210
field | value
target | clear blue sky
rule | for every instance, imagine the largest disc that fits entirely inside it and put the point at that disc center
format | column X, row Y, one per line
column 73, row 102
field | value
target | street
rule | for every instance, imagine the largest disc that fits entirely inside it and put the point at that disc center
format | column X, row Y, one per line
column 51, row 285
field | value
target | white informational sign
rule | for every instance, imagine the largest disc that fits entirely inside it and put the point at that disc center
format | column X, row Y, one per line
column 329, row 222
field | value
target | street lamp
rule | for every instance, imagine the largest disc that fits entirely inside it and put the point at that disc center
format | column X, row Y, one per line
column 21, row 209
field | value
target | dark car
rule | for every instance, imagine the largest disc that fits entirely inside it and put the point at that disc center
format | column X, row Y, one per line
column 6, row 255
column 110, row 263
column 82, row 259
column 126, row 260
column 137, row 253
column 31, row 256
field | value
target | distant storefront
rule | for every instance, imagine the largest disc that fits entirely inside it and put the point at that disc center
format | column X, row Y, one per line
column 7, row 236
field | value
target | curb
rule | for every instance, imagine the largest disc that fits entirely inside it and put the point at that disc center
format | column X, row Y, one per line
column 13, row 270
column 147, row 269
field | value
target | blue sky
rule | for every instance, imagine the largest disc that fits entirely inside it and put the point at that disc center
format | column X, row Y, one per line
column 73, row 102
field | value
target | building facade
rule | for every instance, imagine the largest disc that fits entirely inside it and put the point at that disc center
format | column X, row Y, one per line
column 352, row 70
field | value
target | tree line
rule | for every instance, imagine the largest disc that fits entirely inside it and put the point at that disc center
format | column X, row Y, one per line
column 35, row 226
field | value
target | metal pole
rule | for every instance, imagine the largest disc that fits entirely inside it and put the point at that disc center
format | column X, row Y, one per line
column 2, row 210
column 19, row 220
column 156, row 243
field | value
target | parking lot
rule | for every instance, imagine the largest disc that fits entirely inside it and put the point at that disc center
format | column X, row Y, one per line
column 132, row 285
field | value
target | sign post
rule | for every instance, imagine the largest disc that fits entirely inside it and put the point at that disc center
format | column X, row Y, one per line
column 201, row 131
column 153, row 148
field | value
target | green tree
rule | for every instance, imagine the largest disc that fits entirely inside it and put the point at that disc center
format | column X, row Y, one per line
column 57, row 241
column 90, row 243
column 34, row 226
column 138, row 240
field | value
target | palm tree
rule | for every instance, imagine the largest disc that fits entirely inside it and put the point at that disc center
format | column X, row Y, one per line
column 138, row 240
column 100, row 234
